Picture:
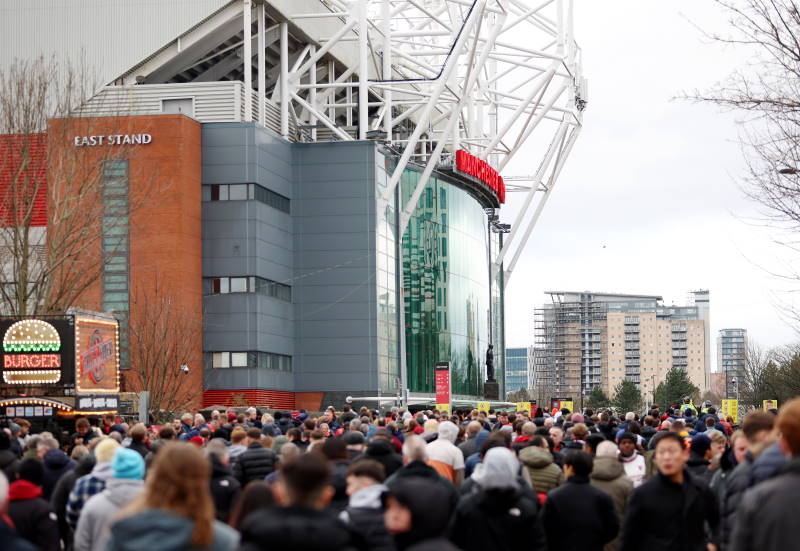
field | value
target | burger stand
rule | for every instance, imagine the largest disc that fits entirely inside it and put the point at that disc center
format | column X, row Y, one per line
column 58, row 367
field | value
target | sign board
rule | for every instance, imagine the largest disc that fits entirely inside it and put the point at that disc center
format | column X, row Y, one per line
column 104, row 402
column 731, row 408
column 560, row 404
column 112, row 139
column 524, row 406
column 97, row 356
column 482, row 172
column 37, row 351
column 442, row 378
column 444, row 408
column 484, row 406
column 769, row 404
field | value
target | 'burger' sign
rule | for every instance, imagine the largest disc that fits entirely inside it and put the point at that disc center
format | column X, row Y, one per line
column 33, row 350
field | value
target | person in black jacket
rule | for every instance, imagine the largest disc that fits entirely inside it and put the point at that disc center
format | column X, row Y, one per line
column 415, row 465
column 256, row 462
column 10, row 540
column 699, row 458
column 768, row 511
column 498, row 515
column 757, row 426
column 578, row 516
column 32, row 516
column 417, row 515
column 380, row 449
column 8, row 459
column 61, row 495
column 364, row 512
column 670, row 510
column 302, row 524
column 225, row 489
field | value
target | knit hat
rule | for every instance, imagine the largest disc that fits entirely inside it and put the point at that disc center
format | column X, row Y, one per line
column 31, row 470
column 232, row 416
column 700, row 444
column 127, row 464
column 104, row 451
column 353, row 437
column 198, row 440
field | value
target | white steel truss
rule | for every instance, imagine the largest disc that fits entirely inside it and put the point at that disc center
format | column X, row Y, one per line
column 425, row 77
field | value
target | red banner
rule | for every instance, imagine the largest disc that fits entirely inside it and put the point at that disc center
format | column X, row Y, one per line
column 442, row 382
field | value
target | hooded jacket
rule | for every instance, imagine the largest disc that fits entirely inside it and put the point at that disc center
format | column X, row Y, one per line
column 609, row 475
column 32, row 516
column 767, row 465
column 100, row 509
column 364, row 516
column 86, row 487
column 382, row 451
column 698, row 467
column 542, row 471
column 294, row 529
column 768, row 512
column 420, row 469
column 497, row 516
column 430, row 514
column 12, row 541
column 154, row 530
column 56, row 465
column 225, row 489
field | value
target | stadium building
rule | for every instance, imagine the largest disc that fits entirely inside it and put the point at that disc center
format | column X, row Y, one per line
column 316, row 184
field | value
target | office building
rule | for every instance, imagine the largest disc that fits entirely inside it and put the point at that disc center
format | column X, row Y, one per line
column 518, row 368
column 731, row 358
column 589, row 339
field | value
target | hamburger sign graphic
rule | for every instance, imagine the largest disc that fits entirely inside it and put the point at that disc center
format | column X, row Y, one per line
column 31, row 353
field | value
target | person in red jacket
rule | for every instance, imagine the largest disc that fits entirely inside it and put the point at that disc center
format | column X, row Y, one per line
column 32, row 516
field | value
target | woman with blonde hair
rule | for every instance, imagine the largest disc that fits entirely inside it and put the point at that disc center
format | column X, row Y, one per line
column 175, row 511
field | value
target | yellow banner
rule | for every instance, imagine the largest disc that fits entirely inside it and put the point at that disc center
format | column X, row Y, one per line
column 731, row 408
column 770, row 404
column 524, row 406
column 443, row 407
column 568, row 405
column 484, row 406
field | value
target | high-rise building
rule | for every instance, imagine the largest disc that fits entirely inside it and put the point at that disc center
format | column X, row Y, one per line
column 587, row 339
column 731, row 358
column 518, row 368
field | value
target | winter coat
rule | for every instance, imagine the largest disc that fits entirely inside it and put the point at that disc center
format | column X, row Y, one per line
column 9, row 462
column 156, row 530
column 12, row 541
column 768, row 512
column 225, row 489
column 100, row 509
column 32, row 516
column 56, row 465
column 86, row 487
column 364, row 517
column 609, row 476
column 254, row 464
column 294, row 529
column 767, row 465
column 698, row 467
column 664, row 516
column 735, row 487
column 497, row 519
column 579, row 517
column 544, row 474
column 61, row 495
column 420, row 469
column 382, row 451
column 430, row 509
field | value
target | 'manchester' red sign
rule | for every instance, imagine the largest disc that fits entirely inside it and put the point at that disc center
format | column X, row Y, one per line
column 469, row 164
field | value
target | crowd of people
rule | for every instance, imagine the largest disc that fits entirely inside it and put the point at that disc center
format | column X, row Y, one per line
column 677, row 480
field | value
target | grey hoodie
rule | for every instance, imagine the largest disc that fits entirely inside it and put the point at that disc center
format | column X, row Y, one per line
column 99, row 511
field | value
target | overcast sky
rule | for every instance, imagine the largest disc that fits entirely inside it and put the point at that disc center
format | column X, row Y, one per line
column 649, row 201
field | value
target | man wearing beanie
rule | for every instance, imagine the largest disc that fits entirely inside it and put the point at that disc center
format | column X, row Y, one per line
column 31, row 515
column 127, row 472
column 700, row 458
column 92, row 483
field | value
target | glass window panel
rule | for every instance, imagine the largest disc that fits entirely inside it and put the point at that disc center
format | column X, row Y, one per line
column 223, row 285
column 220, row 360
column 206, row 193
column 237, row 192
column 238, row 359
column 238, row 284
column 223, row 192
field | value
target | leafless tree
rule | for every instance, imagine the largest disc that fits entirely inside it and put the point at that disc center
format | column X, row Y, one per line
column 164, row 336
column 758, row 380
column 47, row 269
